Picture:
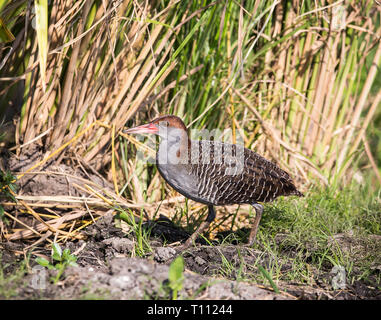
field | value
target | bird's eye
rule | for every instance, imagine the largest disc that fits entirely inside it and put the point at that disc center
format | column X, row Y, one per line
column 164, row 123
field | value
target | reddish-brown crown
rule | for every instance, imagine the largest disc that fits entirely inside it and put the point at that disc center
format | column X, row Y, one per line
column 173, row 121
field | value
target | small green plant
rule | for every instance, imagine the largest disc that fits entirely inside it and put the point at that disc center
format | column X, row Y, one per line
column 142, row 234
column 7, row 186
column 175, row 277
column 2, row 214
column 64, row 259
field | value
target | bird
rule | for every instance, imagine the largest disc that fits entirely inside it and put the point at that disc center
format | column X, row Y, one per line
column 215, row 173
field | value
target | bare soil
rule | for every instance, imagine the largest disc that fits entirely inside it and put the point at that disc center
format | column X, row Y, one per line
column 107, row 271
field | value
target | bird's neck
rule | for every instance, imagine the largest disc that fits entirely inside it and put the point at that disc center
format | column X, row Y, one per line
column 174, row 149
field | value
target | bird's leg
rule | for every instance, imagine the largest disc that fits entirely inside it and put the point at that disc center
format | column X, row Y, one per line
column 204, row 225
column 258, row 215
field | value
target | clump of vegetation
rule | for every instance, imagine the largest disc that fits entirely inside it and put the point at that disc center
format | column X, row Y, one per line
column 142, row 246
column 7, row 185
column 60, row 261
column 11, row 277
column 305, row 240
column 7, row 189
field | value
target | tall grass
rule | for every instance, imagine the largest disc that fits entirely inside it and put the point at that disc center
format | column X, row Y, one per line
column 292, row 79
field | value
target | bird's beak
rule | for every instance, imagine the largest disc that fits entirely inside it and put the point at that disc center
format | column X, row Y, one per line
column 145, row 128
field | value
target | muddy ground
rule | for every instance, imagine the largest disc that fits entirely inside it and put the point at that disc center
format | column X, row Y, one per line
column 109, row 269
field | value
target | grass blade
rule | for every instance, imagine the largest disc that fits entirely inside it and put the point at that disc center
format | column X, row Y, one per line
column 41, row 7
column 5, row 34
column 268, row 277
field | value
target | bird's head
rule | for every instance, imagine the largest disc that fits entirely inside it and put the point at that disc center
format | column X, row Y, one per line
column 168, row 127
